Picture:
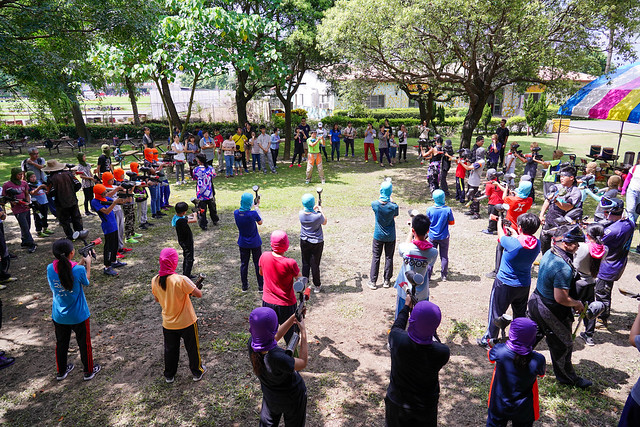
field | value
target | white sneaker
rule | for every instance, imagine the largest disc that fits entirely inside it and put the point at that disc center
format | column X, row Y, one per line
column 306, row 181
column 323, row 182
column 198, row 378
column 316, row 289
column 372, row 285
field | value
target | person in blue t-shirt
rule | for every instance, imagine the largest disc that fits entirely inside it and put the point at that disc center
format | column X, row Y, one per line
column 513, row 280
column 249, row 241
column 384, row 235
column 70, row 312
column 441, row 217
column 335, row 135
column 104, row 205
column 513, row 394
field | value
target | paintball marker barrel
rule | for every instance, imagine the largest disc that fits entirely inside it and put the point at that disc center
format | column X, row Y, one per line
column 198, row 282
column 319, row 191
column 255, row 189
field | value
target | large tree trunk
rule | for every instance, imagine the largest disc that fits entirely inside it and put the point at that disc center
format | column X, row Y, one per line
column 609, row 50
column 76, row 112
column 241, row 99
column 288, row 134
column 196, row 77
column 471, row 120
column 171, row 107
column 429, row 107
column 131, row 90
column 424, row 115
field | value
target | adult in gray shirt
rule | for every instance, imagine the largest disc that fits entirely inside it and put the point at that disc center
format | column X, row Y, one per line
column 383, row 145
column 311, row 239
column 35, row 164
column 208, row 148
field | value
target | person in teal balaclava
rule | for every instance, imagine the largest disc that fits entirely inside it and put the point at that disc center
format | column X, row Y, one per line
column 311, row 239
column 441, row 217
column 249, row 241
column 384, row 235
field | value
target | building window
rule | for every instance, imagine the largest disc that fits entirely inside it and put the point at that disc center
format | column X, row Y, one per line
column 374, row 101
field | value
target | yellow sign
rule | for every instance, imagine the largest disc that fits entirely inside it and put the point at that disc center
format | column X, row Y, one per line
column 536, row 89
column 416, row 89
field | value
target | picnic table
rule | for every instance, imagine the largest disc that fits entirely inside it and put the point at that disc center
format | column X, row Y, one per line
column 68, row 141
column 14, row 144
column 133, row 153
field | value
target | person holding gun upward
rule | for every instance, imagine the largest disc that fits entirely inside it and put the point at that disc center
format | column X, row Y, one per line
column 104, row 206
column 284, row 392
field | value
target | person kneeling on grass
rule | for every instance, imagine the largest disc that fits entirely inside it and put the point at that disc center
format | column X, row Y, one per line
column 104, row 205
column 513, row 394
column 70, row 311
column 283, row 389
column 179, row 319
column 279, row 272
column 414, row 387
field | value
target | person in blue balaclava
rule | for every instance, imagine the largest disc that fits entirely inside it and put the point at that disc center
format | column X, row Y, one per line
column 384, row 235
column 249, row 241
column 441, row 217
column 416, row 359
column 311, row 239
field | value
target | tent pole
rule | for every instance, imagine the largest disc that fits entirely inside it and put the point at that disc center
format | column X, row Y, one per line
column 619, row 139
column 559, row 127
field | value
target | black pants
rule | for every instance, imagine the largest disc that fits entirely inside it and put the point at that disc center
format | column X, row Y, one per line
column 472, row 193
column 172, row 350
column 586, row 294
column 460, row 194
column 295, row 412
column 311, row 255
column 83, row 337
column 110, row 248
column 88, row 196
column 68, row 217
column 297, row 151
column 274, row 156
column 245, row 255
column 384, row 152
column 397, row 416
column 443, row 181
column 503, row 296
column 494, row 420
column 502, row 149
column 5, row 259
column 187, row 259
column 402, row 151
column 377, row 247
column 348, row 143
column 213, row 212
column 40, row 217
column 603, row 293
column 499, row 252
column 493, row 223
column 244, row 162
column 283, row 312
column 323, row 149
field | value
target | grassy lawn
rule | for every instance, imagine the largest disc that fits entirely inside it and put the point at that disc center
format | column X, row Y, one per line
column 347, row 323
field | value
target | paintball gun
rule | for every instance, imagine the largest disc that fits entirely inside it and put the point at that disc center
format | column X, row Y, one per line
column 168, row 156
column 501, row 322
column 412, row 213
column 128, row 187
column 199, row 280
column 88, row 248
column 196, row 206
column 415, row 280
column 319, row 191
column 300, row 287
column 255, row 189
column 591, row 311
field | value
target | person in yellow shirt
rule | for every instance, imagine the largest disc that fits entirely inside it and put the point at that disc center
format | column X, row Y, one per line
column 240, row 139
column 179, row 320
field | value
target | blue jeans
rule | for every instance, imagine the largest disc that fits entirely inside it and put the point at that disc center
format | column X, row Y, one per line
column 392, row 152
column 633, row 197
column 24, row 220
column 154, row 190
column 165, row 192
column 335, row 148
column 228, row 165
column 255, row 158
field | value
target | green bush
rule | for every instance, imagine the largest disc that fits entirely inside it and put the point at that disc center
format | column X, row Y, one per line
column 536, row 114
column 384, row 113
column 486, row 118
column 517, row 124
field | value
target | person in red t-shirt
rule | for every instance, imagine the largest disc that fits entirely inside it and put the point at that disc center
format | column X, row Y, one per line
column 461, row 172
column 493, row 190
column 519, row 202
column 279, row 272
column 217, row 140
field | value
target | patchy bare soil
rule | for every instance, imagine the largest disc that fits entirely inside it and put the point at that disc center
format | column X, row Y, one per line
column 347, row 374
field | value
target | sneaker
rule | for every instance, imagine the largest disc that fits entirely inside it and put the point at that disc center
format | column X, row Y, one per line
column 582, row 383
column 118, row 264
column 587, row 339
column 131, row 240
column 126, row 250
column 366, row 161
column 9, row 280
column 90, row 376
column 199, row 377
column 6, row 361
column 120, row 256
column 475, row 216
column 12, row 255
column 316, row 289
column 47, row 232
column 483, row 343
column 602, row 323
column 41, row 234
column 291, row 165
column 109, row 271
column 32, row 249
column 493, row 233
column 3, row 287
column 468, row 213
column 245, row 289
column 490, row 275
column 372, row 285
column 386, row 284
column 70, row 367
column 149, row 224
column 323, row 182
column 306, row 181
column 169, row 380
column 443, row 278
column 143, row 227
column 299, row 165
column 136, row 235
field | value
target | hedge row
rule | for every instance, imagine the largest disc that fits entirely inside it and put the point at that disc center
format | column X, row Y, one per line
column 397, row 113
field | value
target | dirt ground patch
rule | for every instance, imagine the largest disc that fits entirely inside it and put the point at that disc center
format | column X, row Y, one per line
column 348, row 370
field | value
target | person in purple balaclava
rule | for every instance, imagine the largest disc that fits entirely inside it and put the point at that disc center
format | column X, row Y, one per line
column 514, row 388
column 283, row 389
column 416, row 359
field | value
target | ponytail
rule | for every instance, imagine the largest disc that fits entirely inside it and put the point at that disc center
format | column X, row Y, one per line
column 61, row 249
column 257, row 361
column 163, row 282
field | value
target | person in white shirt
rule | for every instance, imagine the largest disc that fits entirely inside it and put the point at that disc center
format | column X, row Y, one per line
column 264, row 142
column 349, row 134
column 179, row 159
column 402, row 144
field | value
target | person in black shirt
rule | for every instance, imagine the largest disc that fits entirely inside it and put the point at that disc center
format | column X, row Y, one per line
column 283, row 390
column 147, row 141
column 305, row 133
column 479, row 143
column 414, row 388
column 104, row 161
column 185, row 237
column 503, row 137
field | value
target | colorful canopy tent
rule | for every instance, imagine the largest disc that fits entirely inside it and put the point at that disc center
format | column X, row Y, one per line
column 613, row 96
